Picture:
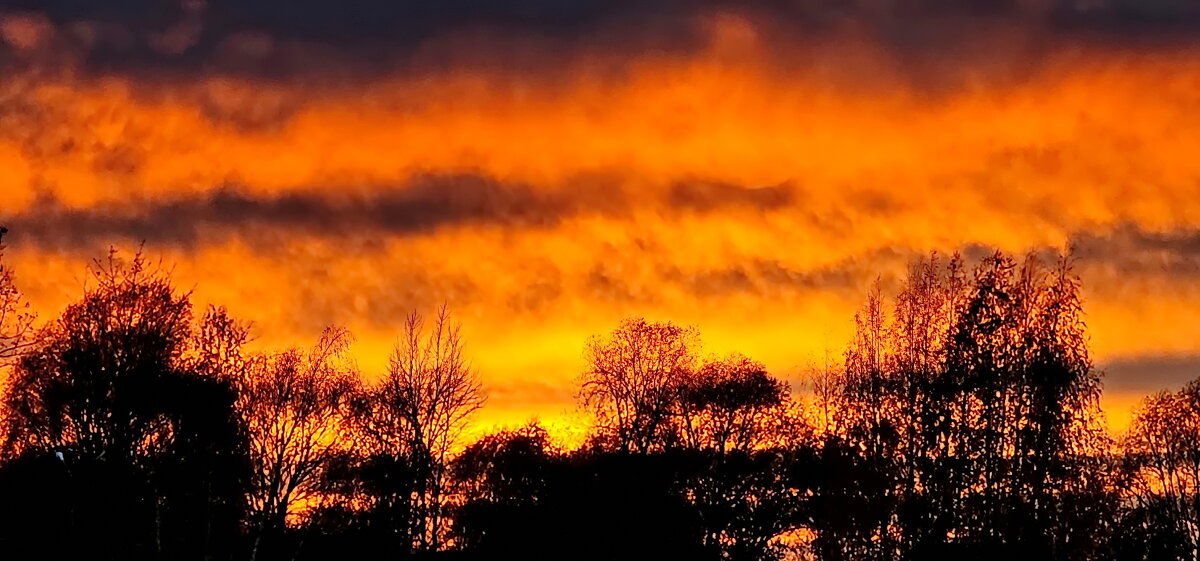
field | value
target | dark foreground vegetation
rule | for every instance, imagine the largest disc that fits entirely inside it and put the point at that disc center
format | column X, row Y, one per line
column 962, row 422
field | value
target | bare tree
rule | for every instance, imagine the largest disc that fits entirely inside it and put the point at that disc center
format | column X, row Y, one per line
column 218, row 347
column 294, row 405
column 16, row 319
column 823, row 383
column 418, row 411
column 1162, row 454
column 633, row 379
column 733, row 404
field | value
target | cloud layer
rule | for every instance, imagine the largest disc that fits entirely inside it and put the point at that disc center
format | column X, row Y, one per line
column 280, row 39
column 547, row 167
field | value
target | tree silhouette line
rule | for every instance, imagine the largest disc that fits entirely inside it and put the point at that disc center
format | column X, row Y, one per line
column 961, row 422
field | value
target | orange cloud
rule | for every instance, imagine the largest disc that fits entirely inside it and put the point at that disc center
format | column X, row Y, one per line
column 750, row 194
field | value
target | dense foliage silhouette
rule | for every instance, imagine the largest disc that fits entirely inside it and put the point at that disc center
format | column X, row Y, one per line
column 962, row 421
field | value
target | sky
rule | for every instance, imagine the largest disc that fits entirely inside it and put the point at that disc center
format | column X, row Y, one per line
column 546, row 168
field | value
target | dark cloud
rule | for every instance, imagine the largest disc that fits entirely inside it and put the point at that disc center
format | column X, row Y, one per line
column 628, row 271
column 288, row 38
column 771, row 279
column 426, row 204
column 420, row 206
column 708, row 196
column 1132, row 250
column 1126, row 250
column 1149, row 374
column 278, row 38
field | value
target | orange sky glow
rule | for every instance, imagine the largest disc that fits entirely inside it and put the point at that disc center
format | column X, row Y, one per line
column 752, row 191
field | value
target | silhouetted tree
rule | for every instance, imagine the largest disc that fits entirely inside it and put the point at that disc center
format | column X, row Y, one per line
column 1032, row 418
column 16, row 319
column 721, row 432
column 148, row 446
column 523, row 499
column 733, row 404
column 1162, row 456
column 963, row 422
column 602, row 505
column 503, row 480
column 218, row 351
column 926, row 398
column 633, row 380
column 412, row 420
column 738, row 421
column 977, row 408
column 294, row 405
column 870, row 417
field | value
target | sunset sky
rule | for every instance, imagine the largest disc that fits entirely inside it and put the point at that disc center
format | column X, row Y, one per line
column 547, row 167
